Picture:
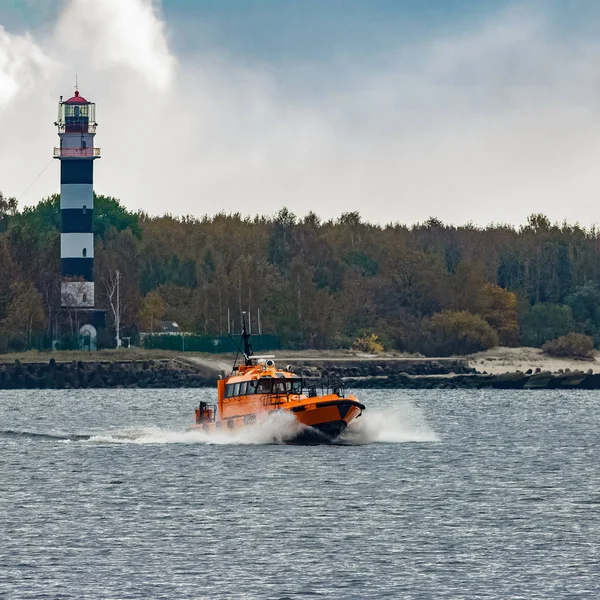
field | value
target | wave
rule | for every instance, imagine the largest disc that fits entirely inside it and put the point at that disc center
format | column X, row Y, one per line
column 34, row 435
column 404, row 422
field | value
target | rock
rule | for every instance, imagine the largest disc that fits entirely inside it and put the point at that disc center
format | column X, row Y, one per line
column 539, row 381
column 509, row 381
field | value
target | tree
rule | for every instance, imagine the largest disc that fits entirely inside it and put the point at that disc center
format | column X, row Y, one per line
column 152, row 311
column 112, row 286
column 118, row 251
column 499, row 308
column 25, row 314
column 572, row 345
column 585, row 304
column 449, row 333
column 545, row 322
column 8, row 208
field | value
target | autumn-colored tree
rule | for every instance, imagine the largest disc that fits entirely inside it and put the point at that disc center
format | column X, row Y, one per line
column 499, row 308
column 318, row 283
column 25, row 313
column 572, row 345
column 368, row 343
column 152, row 310
column 462, row 332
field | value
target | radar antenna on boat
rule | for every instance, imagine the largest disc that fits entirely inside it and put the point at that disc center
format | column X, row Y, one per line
column 248, row 354
column 245, row 349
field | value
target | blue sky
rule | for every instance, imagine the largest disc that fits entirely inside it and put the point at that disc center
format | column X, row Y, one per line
column 299, row 30
column 468, row 110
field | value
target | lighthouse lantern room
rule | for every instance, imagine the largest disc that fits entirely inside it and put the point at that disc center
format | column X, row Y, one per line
column 76, row 129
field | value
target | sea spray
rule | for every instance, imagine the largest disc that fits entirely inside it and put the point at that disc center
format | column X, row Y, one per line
column 399, row 422
column 275, row 428
column 403, row 422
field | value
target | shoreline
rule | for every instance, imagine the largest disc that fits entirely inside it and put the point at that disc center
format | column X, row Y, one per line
column 500, row 368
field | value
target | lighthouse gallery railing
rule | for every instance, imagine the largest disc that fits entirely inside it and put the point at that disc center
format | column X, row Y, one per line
column 76, row 152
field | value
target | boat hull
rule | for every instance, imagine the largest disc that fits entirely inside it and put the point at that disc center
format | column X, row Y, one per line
column 325, row 419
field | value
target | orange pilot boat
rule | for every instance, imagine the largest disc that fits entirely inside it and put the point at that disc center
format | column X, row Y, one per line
column 258, row 388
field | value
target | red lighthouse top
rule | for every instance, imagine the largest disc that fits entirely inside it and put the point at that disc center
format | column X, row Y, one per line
column 77, row 99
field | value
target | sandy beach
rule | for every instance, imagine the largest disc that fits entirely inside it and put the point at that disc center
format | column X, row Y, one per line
column 509, row 360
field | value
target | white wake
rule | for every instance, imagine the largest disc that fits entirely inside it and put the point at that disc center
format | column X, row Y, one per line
column 276, row 428
column 401, row 423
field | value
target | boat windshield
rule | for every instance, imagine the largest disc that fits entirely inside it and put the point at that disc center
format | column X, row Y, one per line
column 288, row 386
column 264, row 385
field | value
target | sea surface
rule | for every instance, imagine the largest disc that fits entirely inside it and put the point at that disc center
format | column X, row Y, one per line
column 438, row 494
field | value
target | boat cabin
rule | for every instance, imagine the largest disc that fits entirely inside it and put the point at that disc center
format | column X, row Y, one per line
column 280, row 384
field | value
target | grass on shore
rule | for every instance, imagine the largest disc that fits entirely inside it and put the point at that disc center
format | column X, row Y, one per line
column 111, row 355
column 127, row 354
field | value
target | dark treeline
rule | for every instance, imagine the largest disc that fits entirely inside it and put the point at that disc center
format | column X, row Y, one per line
column 432, row 288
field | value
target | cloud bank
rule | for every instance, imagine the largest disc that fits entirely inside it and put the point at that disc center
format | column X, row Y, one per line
column 490, row 124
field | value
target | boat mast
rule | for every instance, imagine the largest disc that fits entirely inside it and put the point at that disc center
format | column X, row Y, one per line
column 247, row 344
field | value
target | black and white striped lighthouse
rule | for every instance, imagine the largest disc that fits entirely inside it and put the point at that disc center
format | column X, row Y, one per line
column 76, row 130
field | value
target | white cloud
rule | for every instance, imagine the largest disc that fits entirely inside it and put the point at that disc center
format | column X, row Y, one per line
column 115, row 34
column 22, row 64
column 486, row 125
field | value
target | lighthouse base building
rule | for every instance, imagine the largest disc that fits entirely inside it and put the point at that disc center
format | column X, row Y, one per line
column 76, row 130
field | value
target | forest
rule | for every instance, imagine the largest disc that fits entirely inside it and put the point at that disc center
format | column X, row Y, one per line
column 431, row 288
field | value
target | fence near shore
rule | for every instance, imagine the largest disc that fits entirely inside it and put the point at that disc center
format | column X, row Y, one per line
column 213, row 345
column 177, row 343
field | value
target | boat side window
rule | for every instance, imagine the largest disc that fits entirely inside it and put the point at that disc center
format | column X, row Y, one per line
column 229, row 390
column 243, row 388
column 236, row 389
column 264, row 386
column 279, row 387
column 297, row 386
column 252, row 386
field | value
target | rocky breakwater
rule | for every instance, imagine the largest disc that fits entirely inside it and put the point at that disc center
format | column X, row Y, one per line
column 96, row 374
column 410, row 373
column 378, row 372
column 530, row 380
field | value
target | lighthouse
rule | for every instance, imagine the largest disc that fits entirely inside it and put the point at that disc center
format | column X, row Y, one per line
column 76, row 129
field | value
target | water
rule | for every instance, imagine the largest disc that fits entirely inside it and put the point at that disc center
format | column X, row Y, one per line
column 440, row 494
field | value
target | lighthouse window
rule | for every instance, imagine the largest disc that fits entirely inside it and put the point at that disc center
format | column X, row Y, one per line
column 84, row 299
column 84, row 252
column 84, row 209
column 83, row 144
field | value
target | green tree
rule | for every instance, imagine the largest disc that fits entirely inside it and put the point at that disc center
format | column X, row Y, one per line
column 585, row 304
column 545, row 322
column 8, row 209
